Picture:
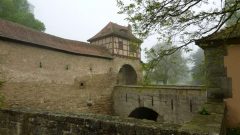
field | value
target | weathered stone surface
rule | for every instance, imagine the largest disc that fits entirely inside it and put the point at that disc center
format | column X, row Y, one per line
column 217, row 83
column 174, row 104
column 212, row 124
column 49, row 123
column 50, row 85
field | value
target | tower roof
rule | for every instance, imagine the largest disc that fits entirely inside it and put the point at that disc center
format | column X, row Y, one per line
column 113, row 29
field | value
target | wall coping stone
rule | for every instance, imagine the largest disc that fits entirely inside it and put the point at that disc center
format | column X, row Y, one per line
column 200, row 125
column 171, row 87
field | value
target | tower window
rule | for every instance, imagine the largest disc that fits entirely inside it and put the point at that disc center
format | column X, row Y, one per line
column 120, row 45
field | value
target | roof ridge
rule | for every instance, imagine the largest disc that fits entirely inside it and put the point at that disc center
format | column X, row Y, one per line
column 40, row 32
column 111, row 26
column 20, row 33
column 115, row 29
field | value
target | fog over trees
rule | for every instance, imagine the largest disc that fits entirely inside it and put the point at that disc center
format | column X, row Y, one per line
column 170, row 69
column 20, row 11
column 188, row 20
column 184, row 21
column 198, row 69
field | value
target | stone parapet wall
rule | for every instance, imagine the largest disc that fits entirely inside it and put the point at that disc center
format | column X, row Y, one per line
column 26, row 122
column 174, row 104
column 29, row 122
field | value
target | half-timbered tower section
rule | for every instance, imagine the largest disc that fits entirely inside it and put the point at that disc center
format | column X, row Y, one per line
column 119, row 40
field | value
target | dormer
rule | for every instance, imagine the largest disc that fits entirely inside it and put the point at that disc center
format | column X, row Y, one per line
column 119, row 40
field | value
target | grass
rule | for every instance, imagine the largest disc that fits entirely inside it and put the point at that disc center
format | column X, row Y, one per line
column 233, row 131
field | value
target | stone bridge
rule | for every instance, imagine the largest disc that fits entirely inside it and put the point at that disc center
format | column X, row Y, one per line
column 170, row 104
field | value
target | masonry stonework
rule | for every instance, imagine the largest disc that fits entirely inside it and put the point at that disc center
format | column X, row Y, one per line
column 173, row 104
column 217, row 82
column 29, row 122
column 42, row 78
column 44, row 72
column 222, row 70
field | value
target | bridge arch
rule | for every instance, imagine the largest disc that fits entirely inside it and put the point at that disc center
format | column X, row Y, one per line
column 144, row 113
column 127, row 75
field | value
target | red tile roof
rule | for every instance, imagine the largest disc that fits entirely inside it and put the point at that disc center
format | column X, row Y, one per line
column 113, row 29
column 13, row 31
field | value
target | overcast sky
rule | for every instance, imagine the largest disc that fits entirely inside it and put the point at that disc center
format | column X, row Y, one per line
column 79, row 19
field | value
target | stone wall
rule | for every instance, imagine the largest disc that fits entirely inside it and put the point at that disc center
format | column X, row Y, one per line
column 174, row 104
column 43, row 78
column 29, row 122
column 217, row 82
column 222, row 75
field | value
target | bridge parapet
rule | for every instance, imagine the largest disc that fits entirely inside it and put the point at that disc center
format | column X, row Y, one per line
column 173, row 104
column 38, row 122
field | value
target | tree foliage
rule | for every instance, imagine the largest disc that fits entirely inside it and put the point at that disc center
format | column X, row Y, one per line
column 19, row 11
column 235, row 16
column 198, row 69
column 187, row 20
column 167, row 70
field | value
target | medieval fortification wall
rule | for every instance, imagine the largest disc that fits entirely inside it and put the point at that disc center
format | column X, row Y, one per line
column 43, row 78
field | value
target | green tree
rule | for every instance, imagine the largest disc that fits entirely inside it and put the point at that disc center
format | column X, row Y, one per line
column 234, row 19
column 169, row 69
column 188, row 20
column 20, row 11
column 198, row 69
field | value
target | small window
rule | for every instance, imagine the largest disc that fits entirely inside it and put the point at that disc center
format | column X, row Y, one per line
column 120, row 45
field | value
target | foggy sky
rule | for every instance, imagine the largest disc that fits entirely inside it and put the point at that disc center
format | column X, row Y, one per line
column 80, row 19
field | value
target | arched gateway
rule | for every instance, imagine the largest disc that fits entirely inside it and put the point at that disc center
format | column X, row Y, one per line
column 127, row 75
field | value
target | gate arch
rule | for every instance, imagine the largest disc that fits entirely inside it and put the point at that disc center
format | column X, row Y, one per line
column 127, row 75
column 144, row 113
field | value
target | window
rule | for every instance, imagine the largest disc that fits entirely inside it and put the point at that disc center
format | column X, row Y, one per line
column 120, row 45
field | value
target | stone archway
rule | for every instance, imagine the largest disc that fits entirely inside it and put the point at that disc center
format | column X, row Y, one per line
column 144, row 113
column 127, row 75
